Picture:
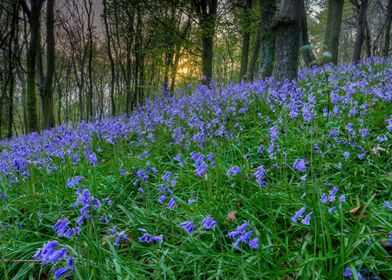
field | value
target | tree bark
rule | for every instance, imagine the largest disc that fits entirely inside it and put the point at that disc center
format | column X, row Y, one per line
column 307, row 53
column 245, row 39
column 206, row 11
column 109, row 50
column 46, row 84
column 89, row 101
column 360, row 30
column 33, row 15
column 287, row 30
column 332, row 31
column 255, row 55
column 387, row 34
column 267, row 53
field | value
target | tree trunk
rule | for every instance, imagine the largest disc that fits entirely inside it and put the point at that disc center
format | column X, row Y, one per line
column 89, row 101
column 387, row 36
column 287, row 30
column 109, row 50
column 245, row 39
column 332, row 31
column 267, row 53
column 46, row 87
column 307, row 53
column 206, row 11
column 255, row 55
column 368, row 40
column 361, row 30
column 31, row 98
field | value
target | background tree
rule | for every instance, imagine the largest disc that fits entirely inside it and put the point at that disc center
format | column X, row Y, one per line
column 286, row 26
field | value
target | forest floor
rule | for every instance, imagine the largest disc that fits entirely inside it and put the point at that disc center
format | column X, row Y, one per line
column 247, row 181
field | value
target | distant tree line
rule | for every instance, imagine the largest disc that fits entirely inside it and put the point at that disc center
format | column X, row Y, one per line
column 60, row 61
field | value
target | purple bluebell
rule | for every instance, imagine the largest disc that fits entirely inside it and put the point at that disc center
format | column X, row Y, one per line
column 298, row 214
column 260, row 174
column 162, row 199
column 61, row 227
column 347, row 273
column 234, row 170
column 120, row 236
column 254, row 243
column 388, row 205
column 208, row 222
column 59, row 272
column 171, row 203
column 188, row 226
column 239, row 230
column 300, row 165
column 306, row 220
column 73, row 181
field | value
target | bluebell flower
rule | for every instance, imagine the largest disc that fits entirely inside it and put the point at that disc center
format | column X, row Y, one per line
column 61, row 227
column 347, row 273
column 388, row 205
column 188, row 226
column 208, row 223
column 191, row 201
column 120, row 236
column 254, row 243
column 260, row 174
column 233, row 171
column 3, row 196
column 346, row 155
column 171, row 203
column 162, row 199
column 239, row 230
column 332, row 209
column 342, row 198
column 73, row 182
column 306, row 220
column 300, row 165
column 381, row 138
column 298, row 214
column 59, row 272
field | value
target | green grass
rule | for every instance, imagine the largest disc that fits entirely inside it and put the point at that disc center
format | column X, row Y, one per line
column 321, row 250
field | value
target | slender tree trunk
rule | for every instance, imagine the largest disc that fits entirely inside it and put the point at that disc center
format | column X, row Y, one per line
column 109, row 50
column 387, row 36
column 206, row 11
column 89, row 100
column 368, row 40
column 361, row 30
column 255, row 55
column 307, row 52
column 332, row 31
column 245, row 39
column 31, row 96
column 287, row 30
column 267, row 53
column 46, row 84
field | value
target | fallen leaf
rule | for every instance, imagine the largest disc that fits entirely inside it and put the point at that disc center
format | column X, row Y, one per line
column 231, row 216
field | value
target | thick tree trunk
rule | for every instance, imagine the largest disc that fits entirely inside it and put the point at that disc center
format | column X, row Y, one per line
column 109, row 50
column 287, row 30
column 387, row 36
column 332, row 31
column 245, row 39
column 307, row 53
column 255, row 55
column 361, row 30
column 267, row 53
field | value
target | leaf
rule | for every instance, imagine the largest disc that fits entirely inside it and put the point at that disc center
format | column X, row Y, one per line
column 231, row 216
column 358, row 210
